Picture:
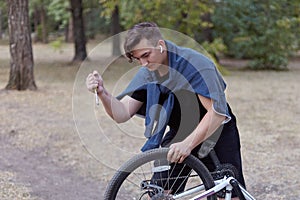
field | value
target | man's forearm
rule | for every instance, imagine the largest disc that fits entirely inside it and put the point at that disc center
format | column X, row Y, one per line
column 114, row 108
column 208, row 125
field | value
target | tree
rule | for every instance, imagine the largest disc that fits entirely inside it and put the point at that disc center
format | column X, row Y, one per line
column 264, row 31
column 59, row 11
column 21, row 75
column 0, row 23
column 116, row 29
column 38, row 10
column 112, row 10
column 3, row 18
column 78, row 30
column 181, row 15
column 184, row 16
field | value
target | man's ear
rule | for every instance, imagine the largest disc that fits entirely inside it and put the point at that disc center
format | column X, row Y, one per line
column 162, row 43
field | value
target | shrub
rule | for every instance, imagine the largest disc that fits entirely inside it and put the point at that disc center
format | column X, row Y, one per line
column 263, row 31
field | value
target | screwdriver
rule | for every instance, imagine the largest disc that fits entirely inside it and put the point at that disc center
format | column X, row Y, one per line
column 96, row 97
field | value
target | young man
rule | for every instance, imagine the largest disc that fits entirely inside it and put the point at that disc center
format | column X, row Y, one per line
column 179, row 88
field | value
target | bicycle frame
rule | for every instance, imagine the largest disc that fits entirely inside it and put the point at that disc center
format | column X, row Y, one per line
column 220, row 184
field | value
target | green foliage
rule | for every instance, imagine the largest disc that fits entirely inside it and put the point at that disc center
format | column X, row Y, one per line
column 58, row 15
column 51, row 9
column 264, row 31
column 3, row 16
column 181, row 15
column 184, row 16
column 58, row 11
column 267, row 32
column 95, row 22
column 39, row 32
column 38, row 4
column 214, row 49
column 57, row 44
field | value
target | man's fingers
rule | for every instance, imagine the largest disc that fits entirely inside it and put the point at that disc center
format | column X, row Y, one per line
column 98, row 78
column 92, row 81
column 173, row 155
column 96, row 74
column 181, row 159
column 177, row 153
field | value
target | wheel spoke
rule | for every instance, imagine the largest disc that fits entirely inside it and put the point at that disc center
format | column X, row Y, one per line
column 151, row 176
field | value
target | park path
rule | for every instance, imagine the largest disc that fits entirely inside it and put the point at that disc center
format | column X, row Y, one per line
column 44, row 177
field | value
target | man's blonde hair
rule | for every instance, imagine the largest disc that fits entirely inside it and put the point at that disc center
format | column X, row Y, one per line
column 144, row 30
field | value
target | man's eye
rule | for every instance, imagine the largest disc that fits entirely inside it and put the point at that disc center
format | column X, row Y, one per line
column 145, row 55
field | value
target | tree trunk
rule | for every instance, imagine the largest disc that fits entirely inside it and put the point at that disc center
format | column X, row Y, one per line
column 44, row 25
column 21, row 65
column 78, row 28
column 36, row 24
column 0, row 23
column 115, row 30
column 69, row 31
column 207, row 32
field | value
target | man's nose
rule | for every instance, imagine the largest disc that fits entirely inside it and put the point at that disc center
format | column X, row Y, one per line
column 144, row 62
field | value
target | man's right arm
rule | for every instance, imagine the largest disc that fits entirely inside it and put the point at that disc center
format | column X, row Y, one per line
column 119, row 110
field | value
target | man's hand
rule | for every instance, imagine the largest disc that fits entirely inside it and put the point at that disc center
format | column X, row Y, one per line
column 178, row 152
column 94, row 81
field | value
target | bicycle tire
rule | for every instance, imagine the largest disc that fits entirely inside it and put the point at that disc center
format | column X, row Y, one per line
column 142, row 159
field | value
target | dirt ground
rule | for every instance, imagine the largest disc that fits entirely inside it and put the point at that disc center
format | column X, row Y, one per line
column 55, row 144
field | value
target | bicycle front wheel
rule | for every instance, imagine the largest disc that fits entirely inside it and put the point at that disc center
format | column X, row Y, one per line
column 150, row 176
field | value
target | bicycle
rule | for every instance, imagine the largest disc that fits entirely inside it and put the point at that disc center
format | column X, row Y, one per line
column 134, row 179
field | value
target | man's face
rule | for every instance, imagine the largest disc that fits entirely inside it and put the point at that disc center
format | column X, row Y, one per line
column 148, row 55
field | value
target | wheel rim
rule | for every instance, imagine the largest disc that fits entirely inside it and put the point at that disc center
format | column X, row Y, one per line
column 140, row 170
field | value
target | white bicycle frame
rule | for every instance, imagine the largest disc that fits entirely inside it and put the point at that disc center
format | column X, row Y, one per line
column 219, row 185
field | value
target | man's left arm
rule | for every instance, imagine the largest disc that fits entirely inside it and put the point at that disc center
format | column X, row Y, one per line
column 207, row 126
